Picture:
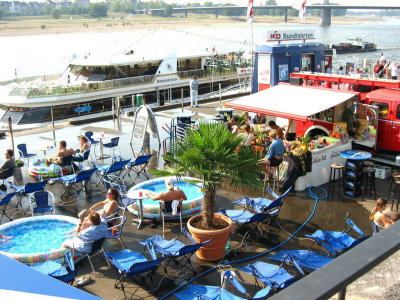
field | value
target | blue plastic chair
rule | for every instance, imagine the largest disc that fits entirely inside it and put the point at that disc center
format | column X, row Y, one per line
column 177, row 251
column 3, row 205
column 112, row 145
column 93, row 142
column 271, row 275
column 304, row 258
column 376, row 228
column 75, row 181
column 64, row 272
column 23, row 152
column 25, row 191
column 139, row 165
column 118, row 183
column 43, row 202
column 128, row 264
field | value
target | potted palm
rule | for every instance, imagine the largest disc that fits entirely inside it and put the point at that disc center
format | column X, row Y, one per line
column 213, row 155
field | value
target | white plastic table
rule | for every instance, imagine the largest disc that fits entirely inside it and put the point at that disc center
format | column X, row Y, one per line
column 100, row 137
column 138, row 195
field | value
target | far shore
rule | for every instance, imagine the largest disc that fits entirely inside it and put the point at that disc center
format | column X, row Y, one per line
column 19, row 26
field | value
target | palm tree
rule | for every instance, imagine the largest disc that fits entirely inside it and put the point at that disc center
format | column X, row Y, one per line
column 213, row 154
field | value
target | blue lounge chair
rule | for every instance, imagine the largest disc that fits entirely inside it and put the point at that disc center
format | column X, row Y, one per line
column 334, row 242
column 247, row 221
column 64, row 272
column 177, row 251
column 75, row 182
column 196, row 292
column 129, row 264
column 112, row 145
column 116, row 168
column 139, row 165
column 304, row 258
column 271, row 275
column 25, row 191
column 115, row 232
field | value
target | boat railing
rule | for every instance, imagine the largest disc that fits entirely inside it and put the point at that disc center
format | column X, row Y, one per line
column 87, row 86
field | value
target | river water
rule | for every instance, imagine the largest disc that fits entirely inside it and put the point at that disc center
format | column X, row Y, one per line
column 32, row 55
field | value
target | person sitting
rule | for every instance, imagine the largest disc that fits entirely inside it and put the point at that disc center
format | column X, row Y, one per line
column 231, row 125
column 82, row 241
column 109, row 207
column 277, row 128
column 248, row 136
column 245, row 115
column 84, row 145
column 8, row 166
column 274, row 156
column 170, row 195
column 258, row 118
column 62, row 152
column 378, row 216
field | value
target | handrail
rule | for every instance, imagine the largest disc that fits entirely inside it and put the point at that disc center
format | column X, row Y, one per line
column 343, row 270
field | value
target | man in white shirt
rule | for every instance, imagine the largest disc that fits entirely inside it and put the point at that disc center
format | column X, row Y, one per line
column 394, row 71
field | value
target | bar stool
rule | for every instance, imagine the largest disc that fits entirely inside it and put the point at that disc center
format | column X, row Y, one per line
column 395, row 176
column 335, row 176
column 368, row 182
column 368, row 164
column 275, row 180
column 396, row 194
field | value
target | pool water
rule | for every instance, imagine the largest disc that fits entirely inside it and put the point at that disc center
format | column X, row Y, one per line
column 36, row 236
column 191, row 190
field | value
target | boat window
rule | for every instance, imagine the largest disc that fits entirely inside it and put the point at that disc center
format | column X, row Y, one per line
column 383, row 109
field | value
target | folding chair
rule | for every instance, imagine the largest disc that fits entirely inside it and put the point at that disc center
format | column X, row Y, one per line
column 112, row 145
column 64, row 272
column 116, row 168
column 262, row 204
column 350, row 225
column 23, row 152
column 3, row 205
column 303, row 258
column 139, row 165
column 166, row 209
column 270, row 275
column 42, row 202
column 248, row 221
column 115, row 232
column 195, row 291
column 334, row 242
column 133, row 264
column 96, row 249
column 177, row 251
column 76, row 182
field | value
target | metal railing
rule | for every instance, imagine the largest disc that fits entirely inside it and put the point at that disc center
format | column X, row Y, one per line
column 57, row 90
column 343, row 270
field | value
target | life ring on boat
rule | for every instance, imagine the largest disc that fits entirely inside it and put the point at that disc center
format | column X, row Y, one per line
column 39, row 168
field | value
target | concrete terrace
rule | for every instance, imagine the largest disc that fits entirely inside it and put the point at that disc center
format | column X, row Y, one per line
column 380, row 283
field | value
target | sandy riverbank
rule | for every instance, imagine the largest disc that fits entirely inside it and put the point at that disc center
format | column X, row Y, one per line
column 46, row 25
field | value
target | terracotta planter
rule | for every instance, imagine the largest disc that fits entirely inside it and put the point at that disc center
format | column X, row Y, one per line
column 215, row 250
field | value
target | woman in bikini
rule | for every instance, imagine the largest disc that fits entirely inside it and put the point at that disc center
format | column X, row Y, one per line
column 378, row 216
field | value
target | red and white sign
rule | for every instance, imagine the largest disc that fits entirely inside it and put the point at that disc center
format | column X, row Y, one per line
column 290, row 35
column 244, row 71
column 264, row 68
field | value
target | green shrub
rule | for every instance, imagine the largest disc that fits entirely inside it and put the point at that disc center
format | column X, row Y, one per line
column 43, row 26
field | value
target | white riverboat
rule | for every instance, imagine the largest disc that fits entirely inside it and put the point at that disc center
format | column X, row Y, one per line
column 86, row 89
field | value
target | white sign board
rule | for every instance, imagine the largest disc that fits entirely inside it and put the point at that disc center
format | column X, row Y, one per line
column 140, row 125
column 290, row 35
column 244, row 71
column 264, row 68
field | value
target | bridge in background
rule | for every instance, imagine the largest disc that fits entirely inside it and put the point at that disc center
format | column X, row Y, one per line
column 216, row 10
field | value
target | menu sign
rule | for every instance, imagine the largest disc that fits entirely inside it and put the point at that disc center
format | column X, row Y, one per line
column 140, row 125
